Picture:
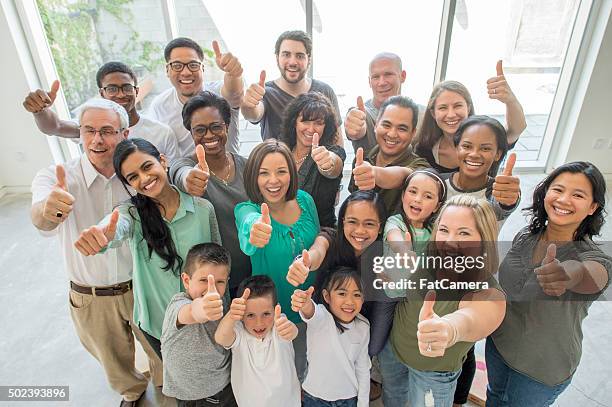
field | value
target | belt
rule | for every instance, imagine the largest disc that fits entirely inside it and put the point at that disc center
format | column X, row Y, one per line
column 117, row 289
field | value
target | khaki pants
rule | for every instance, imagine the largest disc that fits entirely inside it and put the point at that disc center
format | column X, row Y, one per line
column 105, row 328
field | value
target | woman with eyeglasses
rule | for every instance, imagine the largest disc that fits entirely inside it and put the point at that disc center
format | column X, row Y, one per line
column 309, row 129
column 214, row 173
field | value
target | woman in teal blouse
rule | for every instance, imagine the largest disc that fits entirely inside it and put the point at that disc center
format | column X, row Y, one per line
column 161, row 224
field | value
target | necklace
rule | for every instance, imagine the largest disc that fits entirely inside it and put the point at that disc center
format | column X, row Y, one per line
column 299, row 161
column 229, row 171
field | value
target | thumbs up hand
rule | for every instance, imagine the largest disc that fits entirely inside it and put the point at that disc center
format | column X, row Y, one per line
column 299, row 269
column 434, row 334
column 255, row 93
column 364, row 173
column 355, row 121
column 498, row 87
column 507, row 188
column 261, row 231
column 238, row 307
column 228, row 63
column 92, row 240
column 300, row 299
column 209, row 307
column 58, row 204
column 38, row 100
column 321, row 155
column 285, row 329
column 196, row 180
column 551, row 275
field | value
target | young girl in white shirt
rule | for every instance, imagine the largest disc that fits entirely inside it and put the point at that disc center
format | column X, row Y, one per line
column 337, row 342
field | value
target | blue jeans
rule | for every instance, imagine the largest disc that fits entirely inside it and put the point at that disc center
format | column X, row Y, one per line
column 311, row 401
column 403, row 384
column 509, row 388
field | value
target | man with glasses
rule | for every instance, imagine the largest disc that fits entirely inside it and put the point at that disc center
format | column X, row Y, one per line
column 117, row 82
column 70, row 198
column 185, row 71
column 265, row 102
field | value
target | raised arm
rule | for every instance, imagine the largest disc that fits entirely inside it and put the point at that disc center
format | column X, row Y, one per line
column 225, row 334
column 49, row 213
column 252, row 106
column 233, row 88
column 498, row 88
column 39, row 103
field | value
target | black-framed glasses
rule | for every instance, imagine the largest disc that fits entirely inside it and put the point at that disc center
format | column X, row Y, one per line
column 178, row 66
column 113, row 90
column 105, row 131
column 200, row 131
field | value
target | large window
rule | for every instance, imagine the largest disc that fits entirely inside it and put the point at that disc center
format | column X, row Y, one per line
column 531, row 37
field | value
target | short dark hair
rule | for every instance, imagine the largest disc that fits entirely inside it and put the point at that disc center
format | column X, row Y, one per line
column 183, row 42
column 253, row 164
column 401, row 101
column 591, row 225
column 496, row 127
column 206, row 253
column 260, row 286
column 336, row 279
column 206, row 99
column 312, row 106
column 114, row 66
column 296, row 35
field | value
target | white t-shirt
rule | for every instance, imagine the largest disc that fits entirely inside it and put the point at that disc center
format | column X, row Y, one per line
column 263, row 370
column 168, row 109
column 338, row 363
column 159, row 134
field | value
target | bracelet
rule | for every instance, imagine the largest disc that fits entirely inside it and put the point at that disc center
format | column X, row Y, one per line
column 330, row 169
column 455, row 332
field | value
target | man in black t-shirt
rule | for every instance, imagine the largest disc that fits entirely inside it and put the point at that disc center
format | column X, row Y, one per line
column 265, row 102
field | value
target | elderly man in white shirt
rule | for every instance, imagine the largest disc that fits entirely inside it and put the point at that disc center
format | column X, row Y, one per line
column 67, row 199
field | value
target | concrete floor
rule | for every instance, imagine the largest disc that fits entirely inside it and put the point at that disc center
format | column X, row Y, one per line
column 39, row 345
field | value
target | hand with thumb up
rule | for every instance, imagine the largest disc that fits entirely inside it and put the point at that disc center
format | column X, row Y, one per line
column 38, row 100
column 238, row 306
column 364, row 173
column 299, row 269
column 434, row 334
column 59, row 203
column 355, row 121
column 301, row 301
column 507, row 188
column 551, row 275
column 323, row 158
column 92, row 240
column 498, row 88
column 209, row 307
column 285, row 329
column 261, row 231
column 196, row 180
column 255, row 93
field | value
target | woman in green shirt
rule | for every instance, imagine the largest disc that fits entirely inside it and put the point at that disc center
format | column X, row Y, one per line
column 161, row 224
column 419, row 367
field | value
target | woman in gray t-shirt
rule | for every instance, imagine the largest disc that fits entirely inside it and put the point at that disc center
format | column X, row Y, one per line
column 214, row 173
column 551, row 276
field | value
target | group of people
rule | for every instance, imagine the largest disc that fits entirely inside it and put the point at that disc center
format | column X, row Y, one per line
column 243, row 286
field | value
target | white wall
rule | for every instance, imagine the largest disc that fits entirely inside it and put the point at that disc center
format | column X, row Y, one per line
column 585, row 133
column 23, row 149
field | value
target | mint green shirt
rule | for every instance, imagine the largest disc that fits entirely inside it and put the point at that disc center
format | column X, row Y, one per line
column 420, row 236
column 194, row 222
column 286, row 243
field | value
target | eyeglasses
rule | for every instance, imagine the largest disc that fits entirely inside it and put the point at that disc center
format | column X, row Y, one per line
column 104, row 131
column 178, row 66
column 113, row 90
column 201, row 130
column 368, row 224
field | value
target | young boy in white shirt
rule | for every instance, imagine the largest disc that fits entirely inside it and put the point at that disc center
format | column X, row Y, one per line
column 260, row 337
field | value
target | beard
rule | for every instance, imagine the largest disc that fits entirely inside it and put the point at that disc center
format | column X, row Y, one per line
column 301, row 75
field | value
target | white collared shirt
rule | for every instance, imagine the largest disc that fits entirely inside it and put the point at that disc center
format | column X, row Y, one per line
column 95, row 196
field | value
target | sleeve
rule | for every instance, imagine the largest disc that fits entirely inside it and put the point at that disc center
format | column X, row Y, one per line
column 238, row 332
column 419, row 163
column 352, row 187
column 172, row 149
column 394, row 222
column 598, row 256
column 125, row 225
column 42, row 185
column 171, row 317
column 338, row 150
column 246, row 213
column 317, row 322
column 312, row 209
column 502, row 212
column 179, row 170
column 152, row 111
column 362, row 371
column 215, row 236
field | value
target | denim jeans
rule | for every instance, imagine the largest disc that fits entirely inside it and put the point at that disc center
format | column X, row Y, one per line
column 509, row 388
column 311, row 401
column 403, row 384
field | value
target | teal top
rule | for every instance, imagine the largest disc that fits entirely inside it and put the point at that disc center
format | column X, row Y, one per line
column 286, row 242
column 194, row 222
column 420, row 236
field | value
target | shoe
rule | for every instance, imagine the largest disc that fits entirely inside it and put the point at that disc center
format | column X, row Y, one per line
column 125, row 403
column 375, row 390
